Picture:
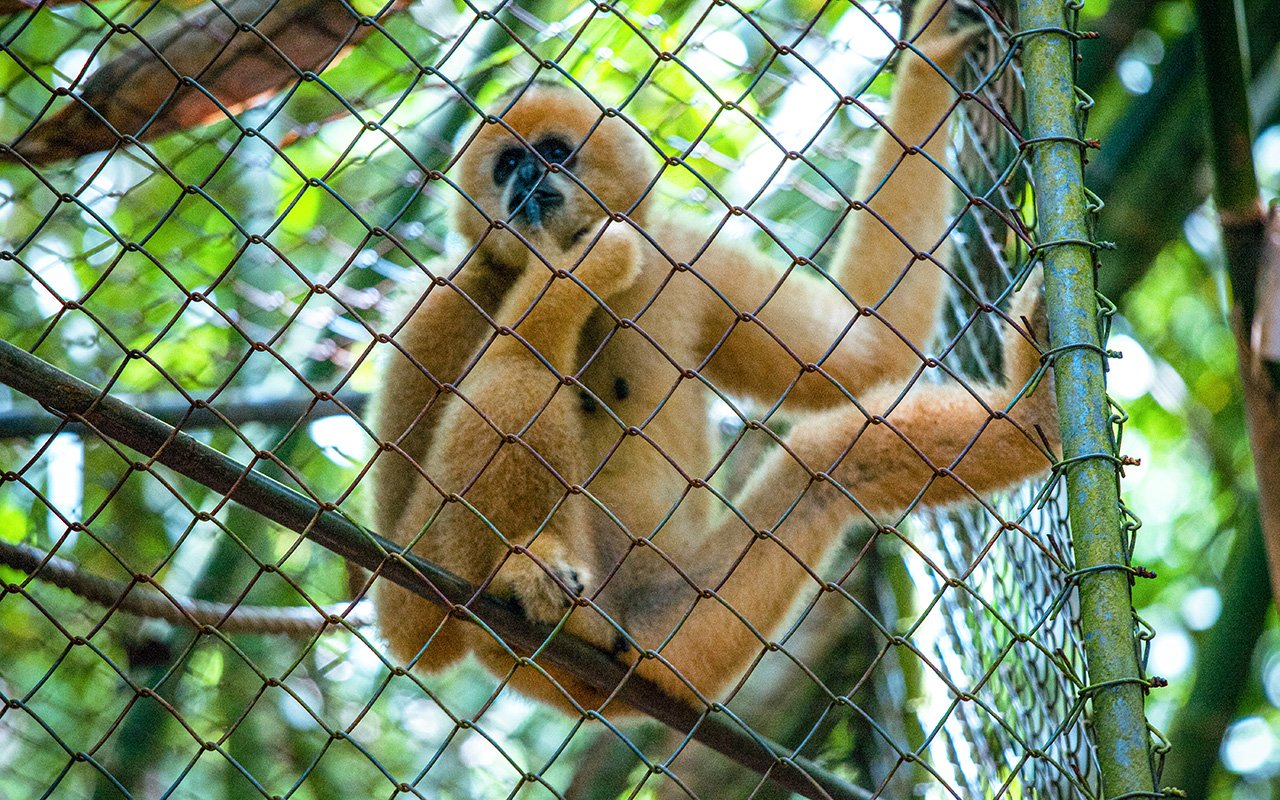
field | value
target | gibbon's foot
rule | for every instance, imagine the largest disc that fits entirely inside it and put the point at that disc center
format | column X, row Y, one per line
column 543, row 591
column 1027, row 310
column 547, row 592
column 1022, row 360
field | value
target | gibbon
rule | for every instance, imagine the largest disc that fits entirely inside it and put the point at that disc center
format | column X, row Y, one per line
column 544, row 410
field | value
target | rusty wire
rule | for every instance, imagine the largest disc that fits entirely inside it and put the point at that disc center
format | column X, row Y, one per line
column 235, row 276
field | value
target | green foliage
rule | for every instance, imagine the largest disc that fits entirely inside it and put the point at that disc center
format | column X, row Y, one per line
column 198, row 254
column 131, row 243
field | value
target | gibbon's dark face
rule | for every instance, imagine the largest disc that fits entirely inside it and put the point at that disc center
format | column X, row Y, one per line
column 530, row 191
column 555, row 166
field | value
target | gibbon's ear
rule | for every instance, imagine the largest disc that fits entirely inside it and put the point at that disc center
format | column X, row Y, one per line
column 552, row 163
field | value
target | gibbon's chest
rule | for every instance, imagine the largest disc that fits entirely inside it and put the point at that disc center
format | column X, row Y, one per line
column 645, row 420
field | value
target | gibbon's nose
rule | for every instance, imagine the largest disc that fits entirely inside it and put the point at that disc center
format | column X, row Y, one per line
column 532, row 198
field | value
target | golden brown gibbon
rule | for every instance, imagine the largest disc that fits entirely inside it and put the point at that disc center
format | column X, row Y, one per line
column 548, row 404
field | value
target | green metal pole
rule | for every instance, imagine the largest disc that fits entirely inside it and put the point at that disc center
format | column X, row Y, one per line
column 1106, row 607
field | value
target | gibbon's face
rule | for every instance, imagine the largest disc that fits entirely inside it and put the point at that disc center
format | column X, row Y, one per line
column 554, row 166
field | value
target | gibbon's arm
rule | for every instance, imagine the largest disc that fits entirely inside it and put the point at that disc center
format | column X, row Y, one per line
column 550, row 307
column 874, row 256
column 408, row 402
column 939, row 445
column 517, row 400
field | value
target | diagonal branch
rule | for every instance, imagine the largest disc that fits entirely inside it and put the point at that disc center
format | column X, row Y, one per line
column 215, row 61
column 182, row 412
column 69, row 397
column 20, row 6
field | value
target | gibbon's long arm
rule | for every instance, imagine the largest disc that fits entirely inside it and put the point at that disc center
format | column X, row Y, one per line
column 940, row 445
column 519, row 401
column 907, row 197
column 406, row 408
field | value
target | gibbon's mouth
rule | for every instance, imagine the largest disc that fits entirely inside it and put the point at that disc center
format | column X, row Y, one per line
column 532, row 197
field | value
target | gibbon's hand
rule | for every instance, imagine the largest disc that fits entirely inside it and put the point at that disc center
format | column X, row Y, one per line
column 603, row 257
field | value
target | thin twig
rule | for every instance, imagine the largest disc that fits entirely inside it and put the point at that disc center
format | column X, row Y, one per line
column 143, row 601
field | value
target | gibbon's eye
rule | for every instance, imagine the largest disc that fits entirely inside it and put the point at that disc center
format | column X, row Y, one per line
column 506, row 164
column 554, row 149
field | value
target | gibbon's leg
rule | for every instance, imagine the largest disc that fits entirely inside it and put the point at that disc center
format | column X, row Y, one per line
column 524, row 491
column 907, row 197
column 940, row 444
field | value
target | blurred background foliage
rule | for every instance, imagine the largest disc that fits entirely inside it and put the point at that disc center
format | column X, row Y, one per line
column 253, row 215
column 1218, row 642
column 349, row 159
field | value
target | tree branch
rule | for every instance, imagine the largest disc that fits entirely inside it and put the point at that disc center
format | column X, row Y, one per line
column 1262, row 400
column 19, row 6
column 324, row 524
column 1157, row 149
column 1251, row 256
column 154, row 602
column 207, row 66
column 182, row 413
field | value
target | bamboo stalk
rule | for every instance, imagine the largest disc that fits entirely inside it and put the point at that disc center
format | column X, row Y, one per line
column 1106, row 607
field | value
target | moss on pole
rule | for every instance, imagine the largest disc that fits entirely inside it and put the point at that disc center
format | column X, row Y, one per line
column 1116, row 684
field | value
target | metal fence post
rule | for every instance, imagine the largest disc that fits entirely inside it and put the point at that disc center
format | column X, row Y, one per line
column 1116, row 683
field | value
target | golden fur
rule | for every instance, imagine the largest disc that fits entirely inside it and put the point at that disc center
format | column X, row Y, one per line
column 553, row 395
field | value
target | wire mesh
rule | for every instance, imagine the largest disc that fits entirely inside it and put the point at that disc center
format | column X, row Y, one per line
column 232, row 266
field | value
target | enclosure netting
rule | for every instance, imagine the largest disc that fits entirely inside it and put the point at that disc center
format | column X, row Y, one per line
column 957, row 674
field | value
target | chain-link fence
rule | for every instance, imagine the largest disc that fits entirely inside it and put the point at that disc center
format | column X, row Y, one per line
column 627, row 362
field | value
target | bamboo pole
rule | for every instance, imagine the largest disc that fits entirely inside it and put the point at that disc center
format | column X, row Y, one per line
column 1089, row 460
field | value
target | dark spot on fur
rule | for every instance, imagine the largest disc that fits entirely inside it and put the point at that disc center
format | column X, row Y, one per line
column 587, row 403
column 621, row 389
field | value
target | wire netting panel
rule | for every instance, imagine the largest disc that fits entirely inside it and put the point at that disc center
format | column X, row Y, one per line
column 239, row 263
